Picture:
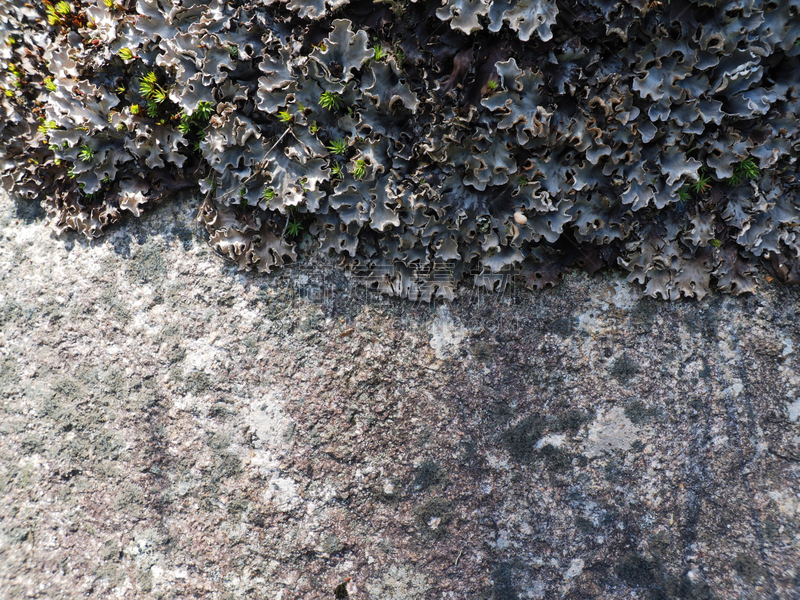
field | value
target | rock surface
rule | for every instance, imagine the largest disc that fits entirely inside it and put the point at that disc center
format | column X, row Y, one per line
column 174, row 429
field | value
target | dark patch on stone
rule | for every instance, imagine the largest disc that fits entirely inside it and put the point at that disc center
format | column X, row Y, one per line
column 468, row 450
column 219, row 441
column 705, row 372
column 504, row 588
column 563, row 326
column 340, row 591
column 637, row 571
column 499, row 412
column 110, row 550
column 434, row 516
column 681, row 587
column 584, row 526
column 571, row 420
column 639, row 413
column 147, row 266
column 520, row 440
column 220, row 409
column 107, row 445
column 704, row 321
column 227, row 465
column 227, row 301
column 197, row 382
column 28, row 211
column 8, row 374
column 237, row 508
column 481, row 350
column 557, row 459
column 623, row 369
column 428, row 474
column 613, row 473
column 747, row 567
column 185, row 235
column 32, row 444
column 643, row 315
column 12, row 312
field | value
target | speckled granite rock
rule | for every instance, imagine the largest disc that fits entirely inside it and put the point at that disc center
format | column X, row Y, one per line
column 174, row 429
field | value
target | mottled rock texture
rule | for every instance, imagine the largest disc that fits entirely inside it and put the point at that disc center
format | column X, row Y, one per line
column 174, row 429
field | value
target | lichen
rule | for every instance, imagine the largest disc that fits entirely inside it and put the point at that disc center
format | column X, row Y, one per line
column 660, row 138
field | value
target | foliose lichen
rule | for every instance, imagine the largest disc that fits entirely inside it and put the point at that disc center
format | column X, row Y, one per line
column 483, row 137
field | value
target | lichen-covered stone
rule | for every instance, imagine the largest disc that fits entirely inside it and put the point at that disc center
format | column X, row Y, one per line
column 167, row 434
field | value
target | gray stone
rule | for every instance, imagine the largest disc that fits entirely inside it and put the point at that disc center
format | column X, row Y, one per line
column 173, row 428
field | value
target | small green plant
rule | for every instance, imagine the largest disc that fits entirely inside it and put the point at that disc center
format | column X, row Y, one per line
column 492, row 86
column 87, row 153
column 185, row 126
column 702, row 184
column 313, row 128
column 125, row 53
column 360, row 169
column 684, row 193
column 203, row 111
column 47, row 126
column 715, row 242
column 135, row 109
column 150, row 89
column 293, row 228
column 16, row 74
column 152, row 109
column 192, row 125
column 331, row 101
column 337, row 146
column 52, row 16
column 745, row 170
column 337, row 171
column 63, row 8
column 233, row 51
column 285, row 117
column 380, row 53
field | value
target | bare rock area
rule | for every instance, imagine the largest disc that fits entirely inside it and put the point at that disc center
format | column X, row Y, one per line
column 172, row 428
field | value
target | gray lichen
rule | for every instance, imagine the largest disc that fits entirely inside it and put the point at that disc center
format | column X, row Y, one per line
column 512, row 138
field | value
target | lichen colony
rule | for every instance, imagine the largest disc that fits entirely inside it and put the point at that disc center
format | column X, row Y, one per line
column 493, row 138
